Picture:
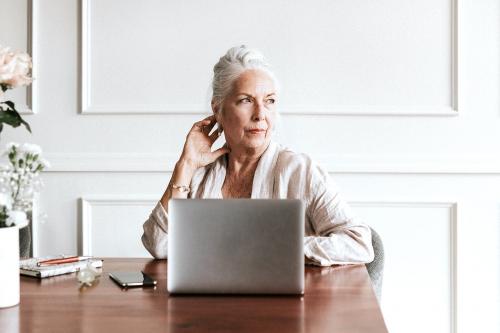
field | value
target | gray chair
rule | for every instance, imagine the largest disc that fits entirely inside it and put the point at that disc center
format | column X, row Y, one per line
column 25, row 243
column 376, row 267
column 26, row 238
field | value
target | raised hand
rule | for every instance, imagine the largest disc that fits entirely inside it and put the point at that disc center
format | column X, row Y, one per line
column 197, row 150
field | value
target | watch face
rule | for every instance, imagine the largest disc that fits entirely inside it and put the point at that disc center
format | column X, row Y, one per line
column 181, row 188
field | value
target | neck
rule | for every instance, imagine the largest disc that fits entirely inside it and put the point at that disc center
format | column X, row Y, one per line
column 244, row 160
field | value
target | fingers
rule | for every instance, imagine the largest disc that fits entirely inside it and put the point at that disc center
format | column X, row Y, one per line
column 208, row 128
column 219, row 152
column 215, row 135
column 202, row 124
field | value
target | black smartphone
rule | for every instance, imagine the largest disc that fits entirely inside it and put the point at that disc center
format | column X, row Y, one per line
column 132, row 279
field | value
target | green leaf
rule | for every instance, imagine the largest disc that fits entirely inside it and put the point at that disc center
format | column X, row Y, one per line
column 13, row 118
column 3, row 217
column 11, row 105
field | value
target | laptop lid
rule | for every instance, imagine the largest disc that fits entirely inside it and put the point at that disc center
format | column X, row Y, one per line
column 236, row 246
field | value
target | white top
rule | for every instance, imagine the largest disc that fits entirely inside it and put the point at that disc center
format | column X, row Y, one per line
column 333, row 234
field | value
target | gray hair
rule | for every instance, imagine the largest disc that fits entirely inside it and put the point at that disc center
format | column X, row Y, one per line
column 237, row 60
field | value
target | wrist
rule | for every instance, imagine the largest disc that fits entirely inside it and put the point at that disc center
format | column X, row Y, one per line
column 180, row 188
column 183, row 173
column 185, row 165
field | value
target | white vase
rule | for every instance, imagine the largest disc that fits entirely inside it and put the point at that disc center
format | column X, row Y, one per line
column 9, row 266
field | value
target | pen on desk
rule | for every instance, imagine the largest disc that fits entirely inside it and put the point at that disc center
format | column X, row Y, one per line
column 61, row 260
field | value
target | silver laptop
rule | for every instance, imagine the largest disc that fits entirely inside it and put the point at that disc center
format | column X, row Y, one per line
column 236, row 246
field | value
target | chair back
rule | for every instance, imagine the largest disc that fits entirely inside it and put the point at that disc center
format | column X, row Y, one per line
column 376, row 267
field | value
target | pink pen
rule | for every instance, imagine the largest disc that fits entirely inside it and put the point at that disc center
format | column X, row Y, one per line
column 61, row 260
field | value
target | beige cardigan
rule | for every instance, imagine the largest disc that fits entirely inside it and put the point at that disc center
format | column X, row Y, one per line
column 333, row 235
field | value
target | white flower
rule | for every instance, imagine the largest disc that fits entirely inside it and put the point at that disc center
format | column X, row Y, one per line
column 8, row 147
column 12, row 144
column 14, row 68
column 31, row 149
column 17, row 217
column 45, row 163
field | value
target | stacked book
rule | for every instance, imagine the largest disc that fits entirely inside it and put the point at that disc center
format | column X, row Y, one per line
column 31, row 267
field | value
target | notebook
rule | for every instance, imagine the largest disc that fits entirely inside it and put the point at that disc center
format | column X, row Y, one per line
column 236, row 246
column 29, row 267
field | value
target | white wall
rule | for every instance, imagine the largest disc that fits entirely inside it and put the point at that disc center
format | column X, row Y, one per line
column 399, row 99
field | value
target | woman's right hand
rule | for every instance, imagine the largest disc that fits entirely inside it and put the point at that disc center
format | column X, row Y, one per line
column 197, row 153
column 197, row 150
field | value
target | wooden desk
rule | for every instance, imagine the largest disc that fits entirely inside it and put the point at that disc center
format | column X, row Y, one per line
column 337, row 299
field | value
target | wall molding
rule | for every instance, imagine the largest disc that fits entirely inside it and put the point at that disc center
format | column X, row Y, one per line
column 353, row 163
column 287, row 110
column 35, row 224
column 454, row 56
column 29, row 108
column 87, row 108
column 85, row 205
column 85, row 44
column 453, row 211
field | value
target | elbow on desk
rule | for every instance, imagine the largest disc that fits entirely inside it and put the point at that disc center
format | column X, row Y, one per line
column 368, row 255
column 157, row 249
column 364, row 252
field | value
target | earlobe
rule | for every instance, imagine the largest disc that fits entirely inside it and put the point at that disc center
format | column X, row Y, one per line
column 215, row 111
column 218, row 113
column 217, row 118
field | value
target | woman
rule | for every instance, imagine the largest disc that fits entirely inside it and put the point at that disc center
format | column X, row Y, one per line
column 251, row 165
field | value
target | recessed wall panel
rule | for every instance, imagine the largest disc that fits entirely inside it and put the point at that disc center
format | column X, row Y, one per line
column 330, row 56
column 113, row 227
column 418, row 277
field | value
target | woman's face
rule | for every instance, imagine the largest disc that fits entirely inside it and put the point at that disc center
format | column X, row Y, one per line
column 249, row 111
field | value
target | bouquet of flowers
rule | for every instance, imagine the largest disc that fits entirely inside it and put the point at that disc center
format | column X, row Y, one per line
column 19, row 182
